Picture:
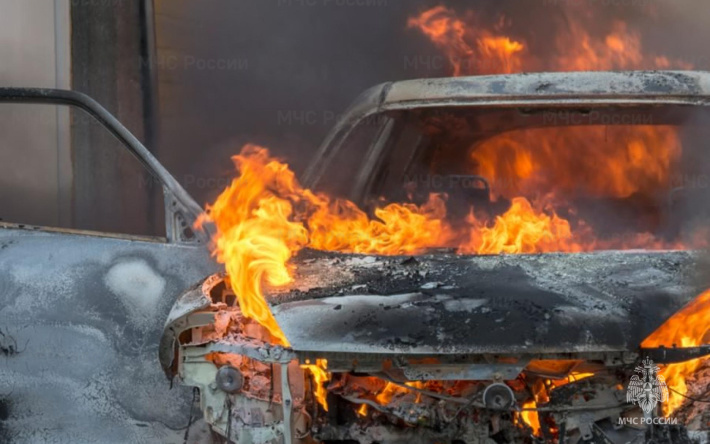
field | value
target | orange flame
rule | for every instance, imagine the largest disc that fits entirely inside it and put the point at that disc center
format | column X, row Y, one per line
column 390, row 390
column 687, row 328
column 522, row 229
column 340, row 225
column 320, row 377
column 264, row 217
column 541, row 395
column 255, row 237
column 531, row 417
column 574, row 377
column 469, row 48
column 473, row 49
column 258, row 229
column 627, row 159
column 617, row 161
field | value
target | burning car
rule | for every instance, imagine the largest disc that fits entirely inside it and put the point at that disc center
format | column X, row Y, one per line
column 489, row 259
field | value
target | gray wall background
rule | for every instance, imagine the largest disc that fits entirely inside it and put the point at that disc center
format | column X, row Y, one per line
column 35, row 159
column 58, row 167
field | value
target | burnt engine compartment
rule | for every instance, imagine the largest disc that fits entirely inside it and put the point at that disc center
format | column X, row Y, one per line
column 461, row 411
column 254, row 391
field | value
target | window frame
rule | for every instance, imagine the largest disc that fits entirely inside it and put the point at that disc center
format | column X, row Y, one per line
column 181, row 210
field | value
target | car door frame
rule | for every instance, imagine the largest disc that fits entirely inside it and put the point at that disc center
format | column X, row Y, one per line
column 181, row 210
column 75, row 296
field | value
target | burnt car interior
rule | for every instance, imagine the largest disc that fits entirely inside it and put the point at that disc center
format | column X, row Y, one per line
column 418, row 152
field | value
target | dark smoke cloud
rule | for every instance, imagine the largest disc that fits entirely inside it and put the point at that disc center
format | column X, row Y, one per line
column 278, row 72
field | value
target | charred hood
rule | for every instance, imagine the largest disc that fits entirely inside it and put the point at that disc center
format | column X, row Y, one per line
column 444, row 303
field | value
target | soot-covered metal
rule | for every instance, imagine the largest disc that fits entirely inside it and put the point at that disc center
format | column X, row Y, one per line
column 445, row 303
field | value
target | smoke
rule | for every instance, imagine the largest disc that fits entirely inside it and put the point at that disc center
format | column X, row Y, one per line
column 295, row 66
column 279, row 72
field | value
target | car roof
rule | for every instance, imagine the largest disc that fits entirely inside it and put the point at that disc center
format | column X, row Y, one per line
column 558, row 85
column 557, row 89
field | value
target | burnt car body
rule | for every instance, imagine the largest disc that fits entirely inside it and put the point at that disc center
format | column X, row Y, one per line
column 443, row 317
column 83, row 312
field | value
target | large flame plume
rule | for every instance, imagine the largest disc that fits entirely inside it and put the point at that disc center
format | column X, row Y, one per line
column 265, row 216
column 627, row 159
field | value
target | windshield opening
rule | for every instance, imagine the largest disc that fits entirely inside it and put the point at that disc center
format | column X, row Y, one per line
column 528, row 181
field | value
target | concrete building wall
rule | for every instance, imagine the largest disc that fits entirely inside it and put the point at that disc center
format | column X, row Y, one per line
column 58, row 166
column 35, row 160
column 110, row 62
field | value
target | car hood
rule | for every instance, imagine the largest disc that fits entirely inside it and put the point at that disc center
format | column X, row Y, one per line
column 509, row 304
